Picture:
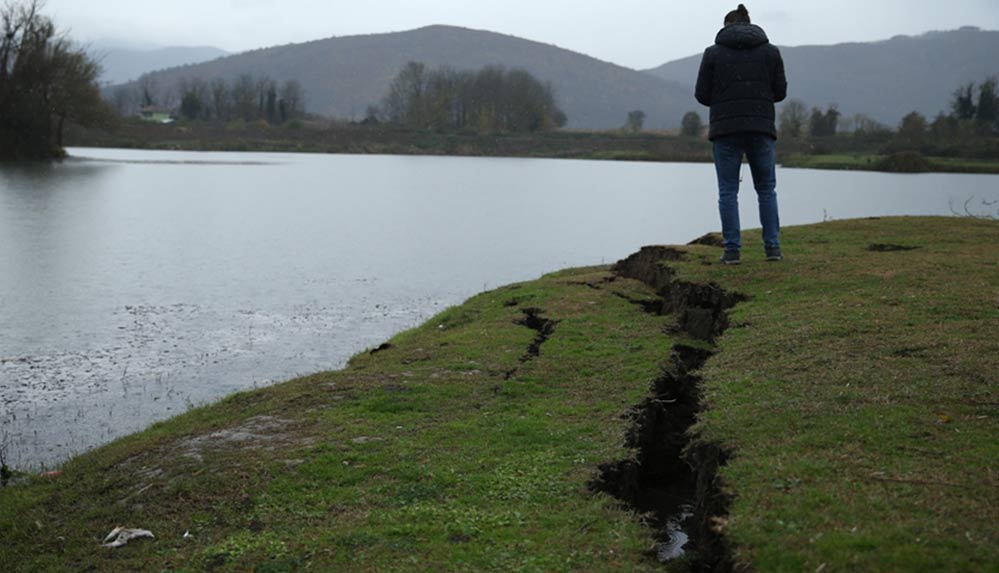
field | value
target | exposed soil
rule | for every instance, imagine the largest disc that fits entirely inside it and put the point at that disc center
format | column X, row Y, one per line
column 545, row 327
column 888, row 248
column 672, row 477
column 263, row 432
column 710, row 240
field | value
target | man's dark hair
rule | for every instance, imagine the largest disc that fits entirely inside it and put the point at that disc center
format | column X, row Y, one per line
column 738, row 16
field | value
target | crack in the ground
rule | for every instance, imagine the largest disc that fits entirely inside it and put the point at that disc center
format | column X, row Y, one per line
column 710, row 240
column 545, row 327
column 890, row 248
column 648, row 305
column 673, row 477
column 381, row 348
column 595, row 285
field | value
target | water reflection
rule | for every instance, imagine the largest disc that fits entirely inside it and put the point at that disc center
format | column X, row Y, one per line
column 161, row 161
column 40, row 175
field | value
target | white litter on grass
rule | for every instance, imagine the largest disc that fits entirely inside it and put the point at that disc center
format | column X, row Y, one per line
column 119, row 536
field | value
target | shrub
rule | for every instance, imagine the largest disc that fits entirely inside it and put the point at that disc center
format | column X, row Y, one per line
column 904, row 162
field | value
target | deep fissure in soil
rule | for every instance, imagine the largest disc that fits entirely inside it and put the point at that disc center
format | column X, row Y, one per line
column 545, row 328
column 672, row 479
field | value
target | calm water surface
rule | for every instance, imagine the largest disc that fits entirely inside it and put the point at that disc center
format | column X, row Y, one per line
column 136, row 284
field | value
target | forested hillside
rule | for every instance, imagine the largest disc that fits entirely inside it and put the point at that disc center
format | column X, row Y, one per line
column 343, row 76
column 885, row 80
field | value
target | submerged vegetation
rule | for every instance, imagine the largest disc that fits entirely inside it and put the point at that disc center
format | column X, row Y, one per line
column 846, row 421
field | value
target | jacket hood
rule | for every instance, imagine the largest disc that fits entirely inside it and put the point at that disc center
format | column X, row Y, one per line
column 742, row 37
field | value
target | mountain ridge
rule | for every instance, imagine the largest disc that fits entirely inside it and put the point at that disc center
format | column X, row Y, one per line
column 343, row 75
column 122, row 64
column 885, row 79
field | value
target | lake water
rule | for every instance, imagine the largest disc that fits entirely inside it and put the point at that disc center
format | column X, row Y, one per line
column 137, row 284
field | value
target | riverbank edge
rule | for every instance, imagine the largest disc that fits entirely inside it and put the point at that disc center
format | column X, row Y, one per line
column 879, row 164
column 905, row 237
column 583, row 145
column 821, row 162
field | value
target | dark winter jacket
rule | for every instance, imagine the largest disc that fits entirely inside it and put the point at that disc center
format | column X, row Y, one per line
column 741, row 78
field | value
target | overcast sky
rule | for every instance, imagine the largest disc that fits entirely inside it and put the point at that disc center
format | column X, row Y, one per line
column 633, row 33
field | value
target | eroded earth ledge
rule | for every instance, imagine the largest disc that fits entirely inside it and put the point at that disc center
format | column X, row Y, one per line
column 673, row 475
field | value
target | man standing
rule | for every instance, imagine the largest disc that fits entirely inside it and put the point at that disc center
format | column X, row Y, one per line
column 741, row 78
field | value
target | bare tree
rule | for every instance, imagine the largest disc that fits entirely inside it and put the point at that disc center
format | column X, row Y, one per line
column 987, row 112
column 691, row 125
column 404, row 101
column 492, row 99
column 963, row 105
column 292, row 102
column 243, row 97
column 148, row 91
column 443, row 102
column 792, row 119
column 824, row 124
column 220, row 99
column 912, row 128
column 636, row 121
column 263, row 88
column 73, row 93
column 123, row 100
column 866, row 126
column 194, row 98
column 44, row 81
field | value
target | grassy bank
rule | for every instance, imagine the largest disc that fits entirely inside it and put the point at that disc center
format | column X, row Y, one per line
column 835, row 153
column 329, row 137
column 853, row 393
column 857, row 392
column 875, row 162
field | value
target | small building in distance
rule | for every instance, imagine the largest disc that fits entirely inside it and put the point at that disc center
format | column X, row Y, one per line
column 157, row 114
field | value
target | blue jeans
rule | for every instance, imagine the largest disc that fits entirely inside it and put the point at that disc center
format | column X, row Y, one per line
column 759, row 150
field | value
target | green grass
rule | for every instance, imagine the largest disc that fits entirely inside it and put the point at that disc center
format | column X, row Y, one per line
column 420, row 457
column 622, row 155
column 856, row 390
column 870, row 162
column 835, row 161
column 959, row 165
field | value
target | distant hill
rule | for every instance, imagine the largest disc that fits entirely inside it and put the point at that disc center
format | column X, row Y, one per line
column 121, row 65
column 342, row 76
column 885, row 80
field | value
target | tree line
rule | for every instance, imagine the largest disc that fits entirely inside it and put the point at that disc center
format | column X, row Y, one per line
column 45, row 81
column 974, row 111
column 492, row 99
column 245, row 98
